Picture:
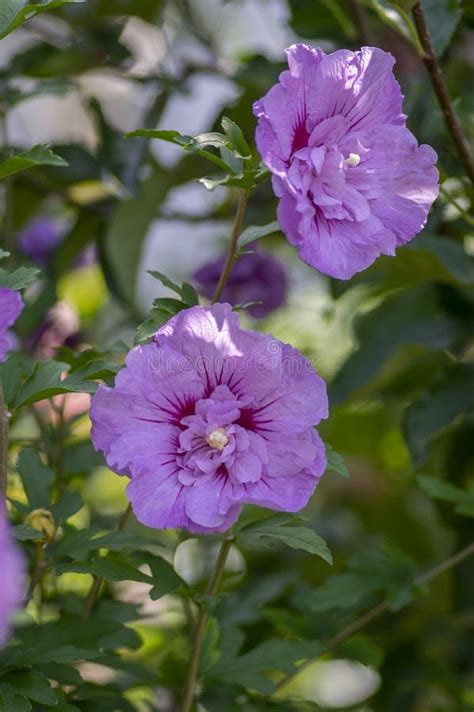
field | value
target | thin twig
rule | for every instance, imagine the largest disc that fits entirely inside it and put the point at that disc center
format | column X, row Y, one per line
column 361, row 22
column 433, row 67
column 3, row 448
column 99, row 580
column 232, row 249
column 379, row 610
column 212, row 588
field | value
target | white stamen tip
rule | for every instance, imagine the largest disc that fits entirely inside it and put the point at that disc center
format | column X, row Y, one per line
column 353, row 160
column 217, row 439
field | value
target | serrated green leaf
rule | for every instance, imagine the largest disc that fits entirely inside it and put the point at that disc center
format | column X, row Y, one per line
column 263, row 534
column 165, row 281
column 40, row 155
column 19, row 278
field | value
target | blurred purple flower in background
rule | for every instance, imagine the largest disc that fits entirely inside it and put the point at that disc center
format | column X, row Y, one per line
column 11, row 589
column 209, row 417
column 352, row 181
column 39, row 239
column 11, row 305
column 256, row 277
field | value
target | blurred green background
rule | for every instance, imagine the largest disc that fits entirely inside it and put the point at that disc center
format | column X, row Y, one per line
column 395, row 343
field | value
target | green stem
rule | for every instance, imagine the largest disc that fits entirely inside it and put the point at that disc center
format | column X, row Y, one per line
column 3, row 447
column 433, row 67
column 232, row 249
column 212, row 588
column 379, row 610
column 99, row 580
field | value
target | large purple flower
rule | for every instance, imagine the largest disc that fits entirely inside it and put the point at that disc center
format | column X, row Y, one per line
column 12, row 577
column 352, row 181
column 256, row 277
column 11, row 305
column 209, row 417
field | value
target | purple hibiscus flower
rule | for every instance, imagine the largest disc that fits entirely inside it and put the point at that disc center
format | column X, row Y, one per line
column 256, row 277
column 352, row 181
column 12, row 577
column 11, row 305
column 39, row 239
column 208, row 417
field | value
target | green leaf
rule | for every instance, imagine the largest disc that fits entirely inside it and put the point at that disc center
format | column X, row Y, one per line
column 67, row 505
column 442, row 18
column 40, row 155
column 236, row 138
column 426, row 259
column 37, row 478
column 112, row 567
column 79, row 542
column 31, row 684
column 14, row 13
column 19, row 278
column 188, row 143
column 166, row 281
column 149, row 327
column 23, row 532
column 398, row 19
column 368, row 573
column 408, row 318
column 210, row 653
column 362, row 649
column 29, row 382
column 335, row 461
column 164, row 577
column 249, row 670
column 12, row 702
column 189, row 295
column 255, row 232
column 263, row 534
column 445, row 491
column 449, row 399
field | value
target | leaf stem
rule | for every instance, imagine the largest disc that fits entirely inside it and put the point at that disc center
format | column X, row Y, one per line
column 432, row 65
column 99, row 580
column 212, row 588
column 232, row 249
column 379, row 610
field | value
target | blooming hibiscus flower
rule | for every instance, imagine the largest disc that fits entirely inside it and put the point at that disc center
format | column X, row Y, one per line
column 209, row 417
column 352, row 181
column 11, row 305
column 12, row 577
